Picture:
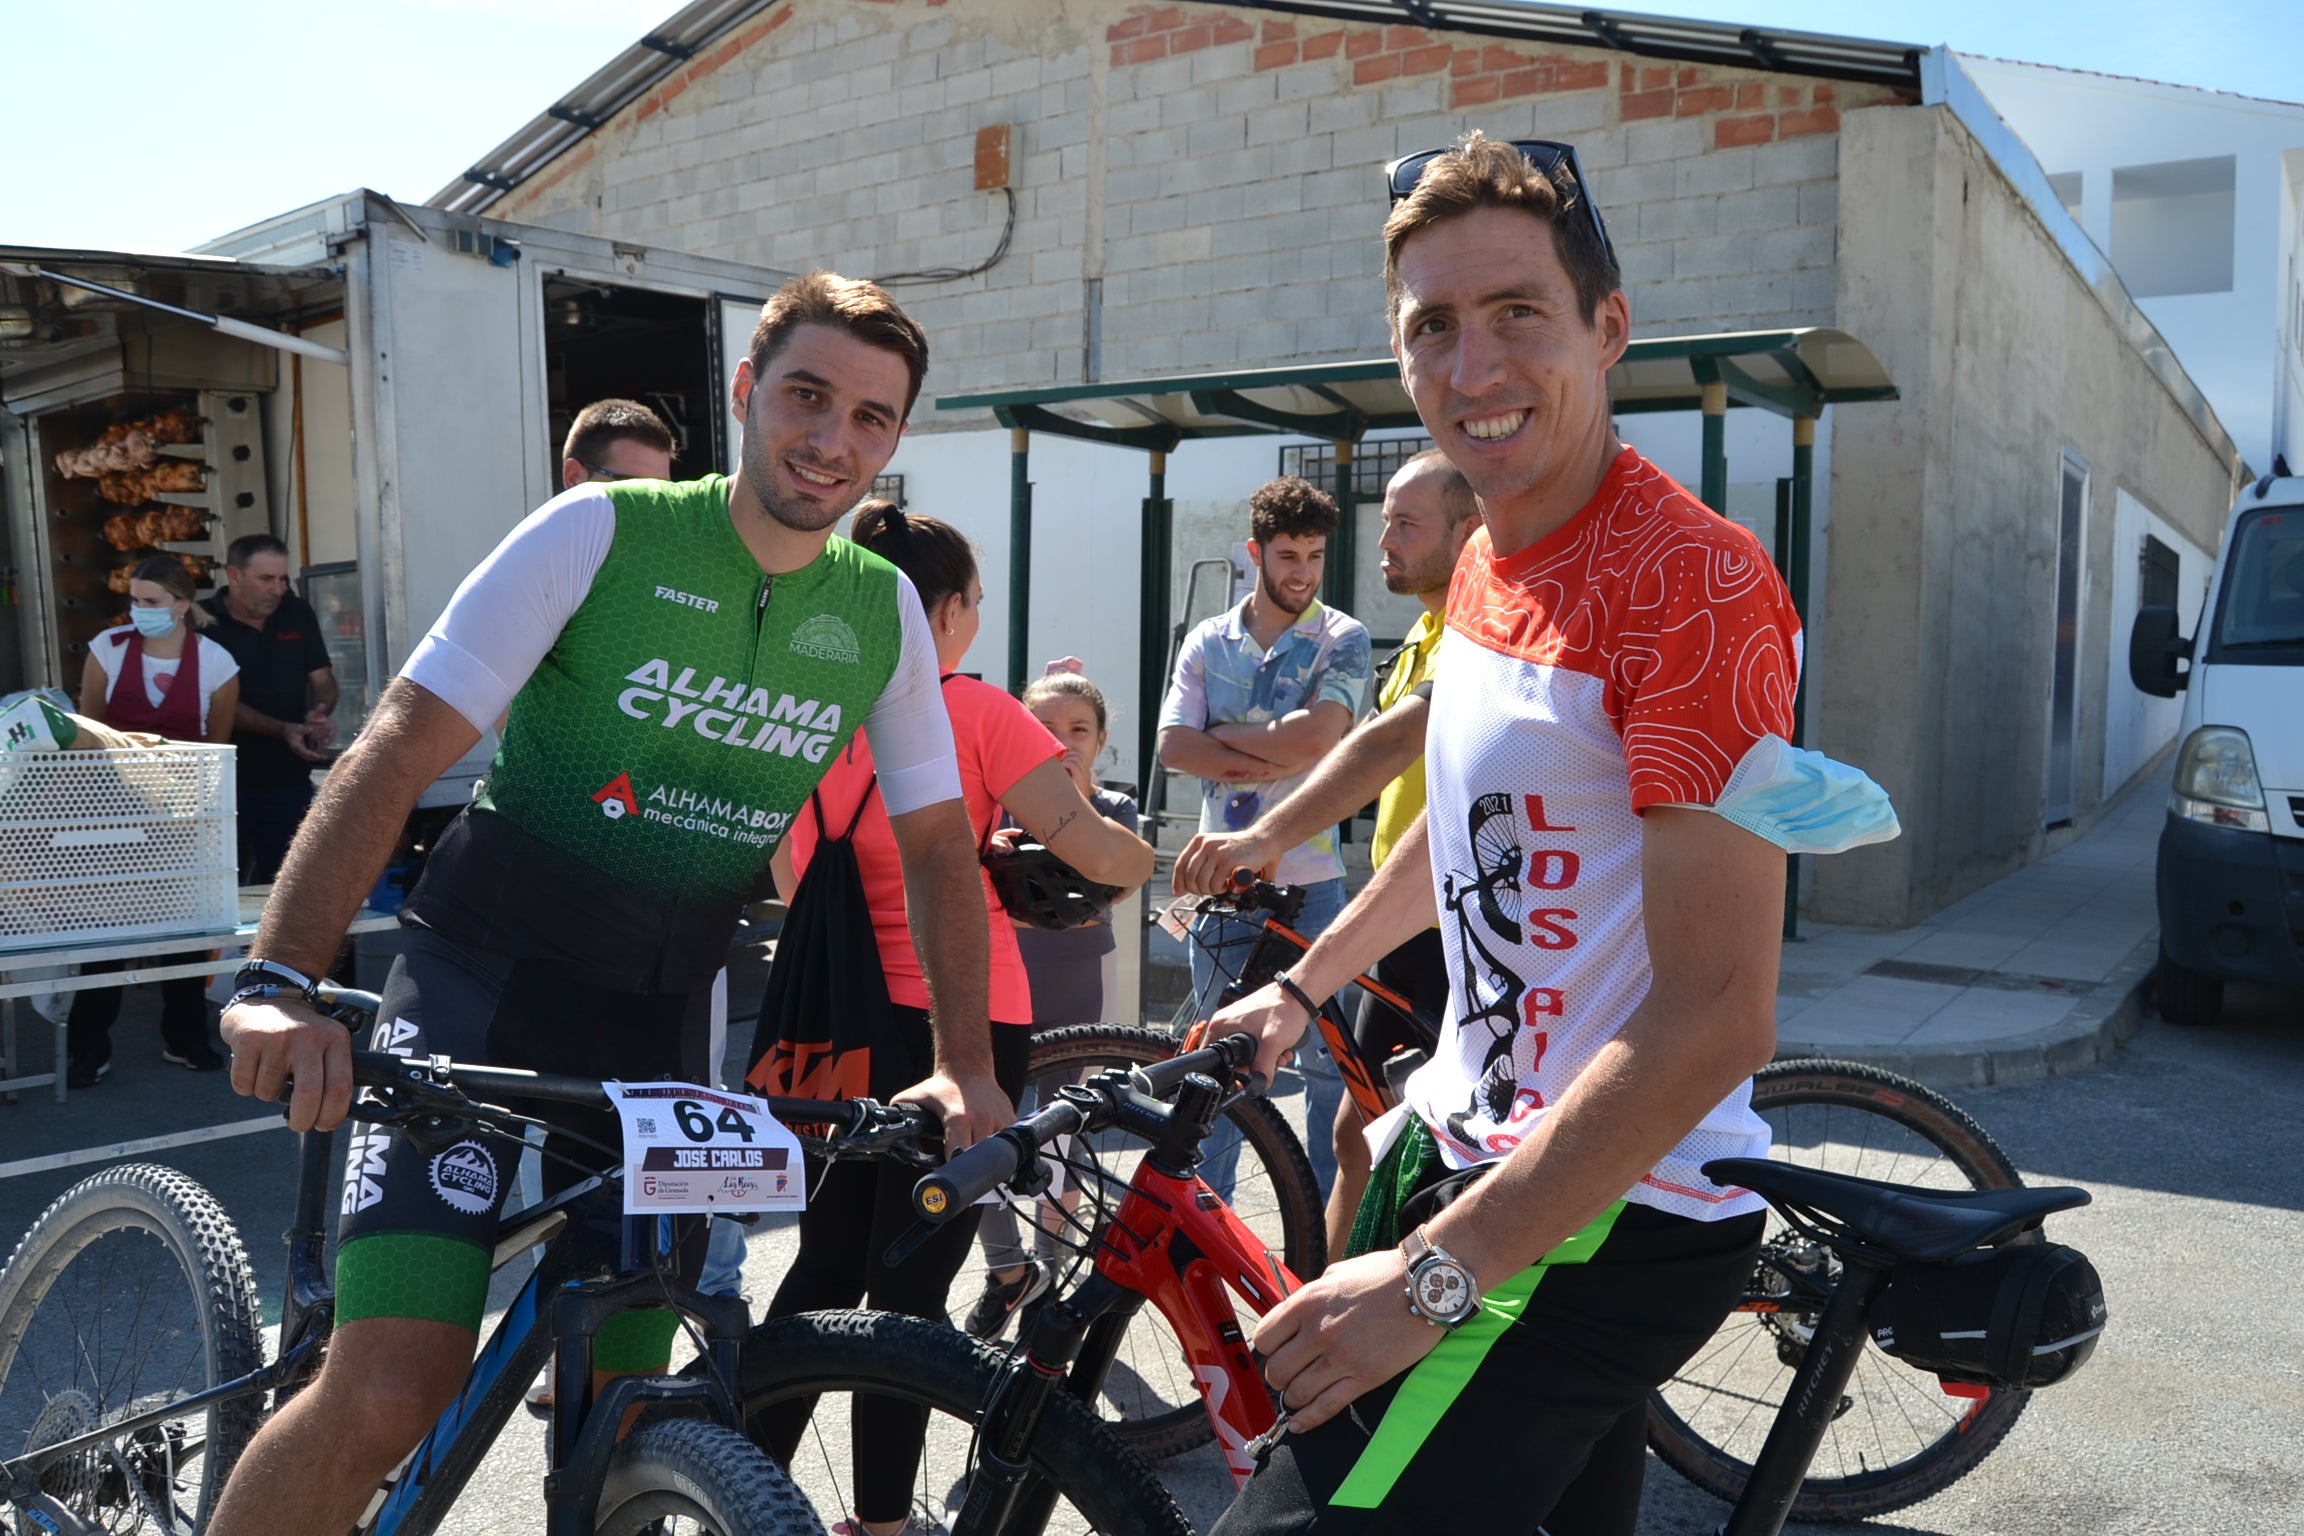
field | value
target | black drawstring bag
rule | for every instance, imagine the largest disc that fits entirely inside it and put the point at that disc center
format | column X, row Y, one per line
column 827, row 1029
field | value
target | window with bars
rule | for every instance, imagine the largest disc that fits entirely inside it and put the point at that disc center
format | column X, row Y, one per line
column 1373, row 464
column 889, row 488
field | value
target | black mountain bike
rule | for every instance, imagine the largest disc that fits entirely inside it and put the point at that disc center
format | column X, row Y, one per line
column 1898, row 1435
column 132, row 1370
column 1012, row 1444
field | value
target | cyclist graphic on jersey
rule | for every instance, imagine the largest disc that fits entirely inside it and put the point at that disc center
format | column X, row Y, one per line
column 1492, row 894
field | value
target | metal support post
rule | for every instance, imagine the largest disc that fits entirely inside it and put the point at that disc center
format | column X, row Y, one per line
column 1336, row 586
column 1152, row 652
column 1713, row 490
column 1782, row 549
column 1019, row 558
column 1153, row 624
column 1796, row 577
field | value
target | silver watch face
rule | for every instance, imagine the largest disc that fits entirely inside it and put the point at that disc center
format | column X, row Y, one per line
column 1442, row 1291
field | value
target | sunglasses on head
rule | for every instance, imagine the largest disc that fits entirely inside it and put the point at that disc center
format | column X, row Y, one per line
column 1547, row 156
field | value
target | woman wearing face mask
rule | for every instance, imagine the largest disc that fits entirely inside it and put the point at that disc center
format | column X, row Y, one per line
column 156, row 673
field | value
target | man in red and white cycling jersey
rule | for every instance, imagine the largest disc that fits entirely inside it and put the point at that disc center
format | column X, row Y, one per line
column 1603, row 851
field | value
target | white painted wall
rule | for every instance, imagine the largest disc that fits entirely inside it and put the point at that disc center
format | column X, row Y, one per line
column 2241, row 347
column 2136, row 725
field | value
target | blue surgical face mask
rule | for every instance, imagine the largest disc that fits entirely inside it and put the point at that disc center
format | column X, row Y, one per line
column 1804, row 802
column 152, row 623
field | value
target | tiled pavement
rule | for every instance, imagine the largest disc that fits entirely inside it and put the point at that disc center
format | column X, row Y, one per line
column 2037, row 973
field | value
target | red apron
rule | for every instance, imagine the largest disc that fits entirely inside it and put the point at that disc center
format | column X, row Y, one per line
column 177, row 716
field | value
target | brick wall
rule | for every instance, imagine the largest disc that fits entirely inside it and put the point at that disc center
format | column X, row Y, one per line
column 1215, row 168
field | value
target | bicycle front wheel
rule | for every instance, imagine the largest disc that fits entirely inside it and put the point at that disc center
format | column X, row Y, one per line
column 1897, row 1437
column 833, row 1357
column 130, row 1292
column 1150, row 1398
column 687, row 1477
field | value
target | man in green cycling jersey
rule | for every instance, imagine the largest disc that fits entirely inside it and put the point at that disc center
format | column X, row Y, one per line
column 676, row 665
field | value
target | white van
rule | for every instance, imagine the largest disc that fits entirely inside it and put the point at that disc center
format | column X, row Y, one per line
column 2231, row 870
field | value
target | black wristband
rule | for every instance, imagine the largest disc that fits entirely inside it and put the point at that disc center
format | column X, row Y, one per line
column 272, row 973
column 1303, row 999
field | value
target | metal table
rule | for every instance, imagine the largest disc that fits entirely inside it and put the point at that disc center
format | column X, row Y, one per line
column 230, row 944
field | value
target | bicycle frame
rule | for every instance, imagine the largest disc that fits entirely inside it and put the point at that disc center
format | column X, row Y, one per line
column 1175, row 1243
column 1372, row 1096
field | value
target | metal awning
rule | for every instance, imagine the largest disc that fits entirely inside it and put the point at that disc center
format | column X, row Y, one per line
column 1791, row 373
column 63, row 310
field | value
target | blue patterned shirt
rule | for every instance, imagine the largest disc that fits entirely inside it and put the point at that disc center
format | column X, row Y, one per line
column 1223, row 676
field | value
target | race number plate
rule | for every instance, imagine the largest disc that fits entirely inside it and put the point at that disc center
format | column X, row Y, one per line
column 691, row 1148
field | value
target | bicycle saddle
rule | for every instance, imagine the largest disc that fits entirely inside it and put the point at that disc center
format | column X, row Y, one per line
column 1925, row 1224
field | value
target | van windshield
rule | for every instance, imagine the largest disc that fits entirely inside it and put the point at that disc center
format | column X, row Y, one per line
column 2260, row 612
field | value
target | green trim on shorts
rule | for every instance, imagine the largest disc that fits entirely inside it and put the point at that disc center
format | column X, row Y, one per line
column 1435, row 1382
column 636, row 1342
column 412, row 1274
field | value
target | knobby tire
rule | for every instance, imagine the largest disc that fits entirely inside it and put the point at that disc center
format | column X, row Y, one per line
column 171, row 1248
column 1904, row 1440
column 955, row 1378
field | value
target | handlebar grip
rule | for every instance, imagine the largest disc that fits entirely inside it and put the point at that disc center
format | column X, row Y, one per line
column 378, row 1069
column 969, row 1177
column 1220, row 1059
column 1243, row 877
column 331, row 996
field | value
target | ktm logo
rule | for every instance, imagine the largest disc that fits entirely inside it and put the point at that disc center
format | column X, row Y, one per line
column 615, row 798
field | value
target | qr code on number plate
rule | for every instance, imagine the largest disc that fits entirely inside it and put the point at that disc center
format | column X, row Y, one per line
column 646, row 1126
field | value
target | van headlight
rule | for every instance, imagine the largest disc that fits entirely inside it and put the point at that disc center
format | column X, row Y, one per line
column 2216, row 781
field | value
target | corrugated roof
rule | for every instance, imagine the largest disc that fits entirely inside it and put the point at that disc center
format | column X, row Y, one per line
column 694, row 28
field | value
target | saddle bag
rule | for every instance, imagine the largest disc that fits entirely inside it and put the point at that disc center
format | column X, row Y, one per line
column 2024, row 1315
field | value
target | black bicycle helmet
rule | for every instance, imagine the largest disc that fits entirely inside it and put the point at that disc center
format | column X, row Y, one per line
column 1039, row 888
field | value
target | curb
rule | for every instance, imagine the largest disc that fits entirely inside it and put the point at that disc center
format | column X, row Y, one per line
column 2096, row 1027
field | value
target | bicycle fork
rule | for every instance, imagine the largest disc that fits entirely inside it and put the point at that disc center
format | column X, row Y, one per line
column 1004, row 1497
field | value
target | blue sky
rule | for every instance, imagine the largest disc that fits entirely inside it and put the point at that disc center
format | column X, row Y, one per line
column 152, row 125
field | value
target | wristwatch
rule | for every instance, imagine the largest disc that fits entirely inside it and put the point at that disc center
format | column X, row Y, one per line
column 1441, row 1289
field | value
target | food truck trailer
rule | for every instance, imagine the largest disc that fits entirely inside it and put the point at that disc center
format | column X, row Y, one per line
column 383, row 387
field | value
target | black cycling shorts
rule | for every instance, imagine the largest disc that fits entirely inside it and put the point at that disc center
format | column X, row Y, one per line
column 1530, row 1414
column 418, row 1229
column 1417, row 971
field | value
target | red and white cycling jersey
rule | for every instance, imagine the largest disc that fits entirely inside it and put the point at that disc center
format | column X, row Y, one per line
column 1629, row 659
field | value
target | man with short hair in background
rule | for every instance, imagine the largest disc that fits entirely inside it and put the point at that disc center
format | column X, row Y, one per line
column 1262, row 693
column 287, row 697
column 613, row 440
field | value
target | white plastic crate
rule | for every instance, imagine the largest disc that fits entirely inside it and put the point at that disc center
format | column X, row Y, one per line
column 117, row 845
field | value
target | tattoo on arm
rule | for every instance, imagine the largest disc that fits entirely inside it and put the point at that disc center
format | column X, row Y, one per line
column 1062, row 822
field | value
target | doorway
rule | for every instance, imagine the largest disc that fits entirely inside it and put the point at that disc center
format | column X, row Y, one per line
column 604, row 341
column 2064, row 672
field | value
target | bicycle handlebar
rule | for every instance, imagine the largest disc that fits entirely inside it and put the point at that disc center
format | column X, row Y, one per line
column 1100, row 1102
column 862, row 1127
column 1251, row 893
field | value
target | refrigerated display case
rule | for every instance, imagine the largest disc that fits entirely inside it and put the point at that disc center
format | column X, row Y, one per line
column 334, row 593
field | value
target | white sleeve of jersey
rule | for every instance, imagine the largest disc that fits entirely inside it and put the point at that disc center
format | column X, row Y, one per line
column 511, row 609
column 910, row 733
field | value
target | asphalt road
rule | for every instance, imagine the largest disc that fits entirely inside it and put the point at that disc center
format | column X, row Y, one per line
column 2186, row 1419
